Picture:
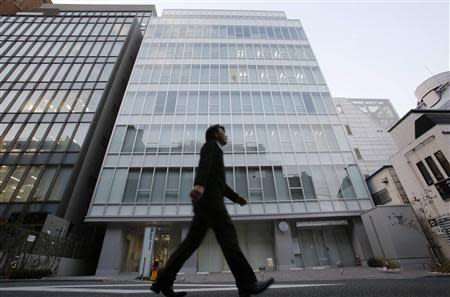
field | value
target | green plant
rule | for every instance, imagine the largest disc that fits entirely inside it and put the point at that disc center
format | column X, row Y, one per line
column 391, row 264
column 374, row 262
column 443, row 266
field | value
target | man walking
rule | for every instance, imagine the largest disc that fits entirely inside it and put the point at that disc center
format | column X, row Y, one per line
column 210, row 212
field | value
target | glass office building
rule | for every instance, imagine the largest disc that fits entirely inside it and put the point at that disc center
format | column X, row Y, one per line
column 366, row 122
column 63, row 78
column 255, row 73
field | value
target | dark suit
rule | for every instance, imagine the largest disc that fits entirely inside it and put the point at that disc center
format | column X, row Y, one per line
column 210, row 212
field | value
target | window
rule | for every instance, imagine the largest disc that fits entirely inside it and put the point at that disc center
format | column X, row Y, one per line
column 11, row 184
column 79, row 137
column 44, row 184
column 172, row 185
column 129, row 139
column 358, row 154
column 118, row 185
column 104, row 184
column 349, row 131
column 23, row 137
column 62, row 179
column 131, row 185
column 268, row 184
column 159, row 181
column 143, row 191
column 139, row 145
column 28, row 184
column 381, row 197
column 436, row 172
column 295, row 188
column 3, row 172
column 65, row 137
column 51, row 137
column 281, row 185
column 254, row 184
column 309, row 103
column 443, row 161
column 426, row 176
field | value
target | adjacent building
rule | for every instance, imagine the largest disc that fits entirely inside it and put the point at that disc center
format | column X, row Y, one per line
column 386, row 188
column 11, row 7
column 255, row 73
column 422, row 162
column 366, row 123
column 64, row 70
column 434, row 93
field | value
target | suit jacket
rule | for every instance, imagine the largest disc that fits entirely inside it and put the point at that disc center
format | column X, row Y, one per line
column 211, row 174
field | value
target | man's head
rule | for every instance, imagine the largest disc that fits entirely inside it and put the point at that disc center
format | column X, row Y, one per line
column 216, row 133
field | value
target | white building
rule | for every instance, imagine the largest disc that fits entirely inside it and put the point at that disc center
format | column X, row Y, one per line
column 434, row 92
column 386, row 188
column 255, row 73
column 422, row 163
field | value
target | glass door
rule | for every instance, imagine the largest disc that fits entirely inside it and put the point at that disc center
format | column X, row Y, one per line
column 322, row 247
column 308, row 244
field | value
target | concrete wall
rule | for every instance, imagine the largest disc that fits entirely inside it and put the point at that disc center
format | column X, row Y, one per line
column 395, row 233
column 113, row 251
column 284, row 255
column 360, row 241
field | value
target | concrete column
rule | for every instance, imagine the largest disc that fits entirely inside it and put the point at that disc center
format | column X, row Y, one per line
column 360, row 242
column 147, row 252
column 113, row 249
column 190, row 266
column 283, row 247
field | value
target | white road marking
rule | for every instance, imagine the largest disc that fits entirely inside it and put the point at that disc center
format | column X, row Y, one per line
column 197, row 288
column 144, row 285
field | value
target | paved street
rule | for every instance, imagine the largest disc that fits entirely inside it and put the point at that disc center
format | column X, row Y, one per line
column 420, row 287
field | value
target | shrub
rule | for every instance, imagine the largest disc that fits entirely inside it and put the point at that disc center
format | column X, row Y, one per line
column 35, row 273
column 443, row 266
column 374, row 262
column 391, row 264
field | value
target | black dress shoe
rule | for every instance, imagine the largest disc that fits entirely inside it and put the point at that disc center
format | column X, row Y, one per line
column 166, row 291
column 255, row 288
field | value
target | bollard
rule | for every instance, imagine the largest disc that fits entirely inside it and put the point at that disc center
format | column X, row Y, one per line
column 339, row 264
column 262, row 269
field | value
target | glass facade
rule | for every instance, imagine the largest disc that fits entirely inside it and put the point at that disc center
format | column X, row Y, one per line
column 367, row 122
column 54, row 72
column 142, row 16
column 257, row 75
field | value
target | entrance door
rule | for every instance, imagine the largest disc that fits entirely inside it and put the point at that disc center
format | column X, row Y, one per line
column 322, row 247
column 166, row 241
column 315, row 250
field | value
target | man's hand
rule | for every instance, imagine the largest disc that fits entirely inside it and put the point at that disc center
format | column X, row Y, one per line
column 241, row 200
column 197, row 192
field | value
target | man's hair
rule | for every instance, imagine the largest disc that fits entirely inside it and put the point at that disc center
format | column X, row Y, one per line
column 209, row 135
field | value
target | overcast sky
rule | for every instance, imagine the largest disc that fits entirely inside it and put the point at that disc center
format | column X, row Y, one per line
column 366, row 49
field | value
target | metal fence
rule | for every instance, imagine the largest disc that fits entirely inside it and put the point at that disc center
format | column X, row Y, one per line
column 26, row 250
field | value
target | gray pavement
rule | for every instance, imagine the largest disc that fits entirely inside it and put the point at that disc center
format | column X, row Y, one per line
column 419, row 287
column 358, row 272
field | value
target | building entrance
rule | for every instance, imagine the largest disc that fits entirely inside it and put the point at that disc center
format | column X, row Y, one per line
column 166, row 241
column 323, row 247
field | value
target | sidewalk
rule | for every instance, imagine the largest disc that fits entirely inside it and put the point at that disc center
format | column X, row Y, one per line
column 280, row 276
